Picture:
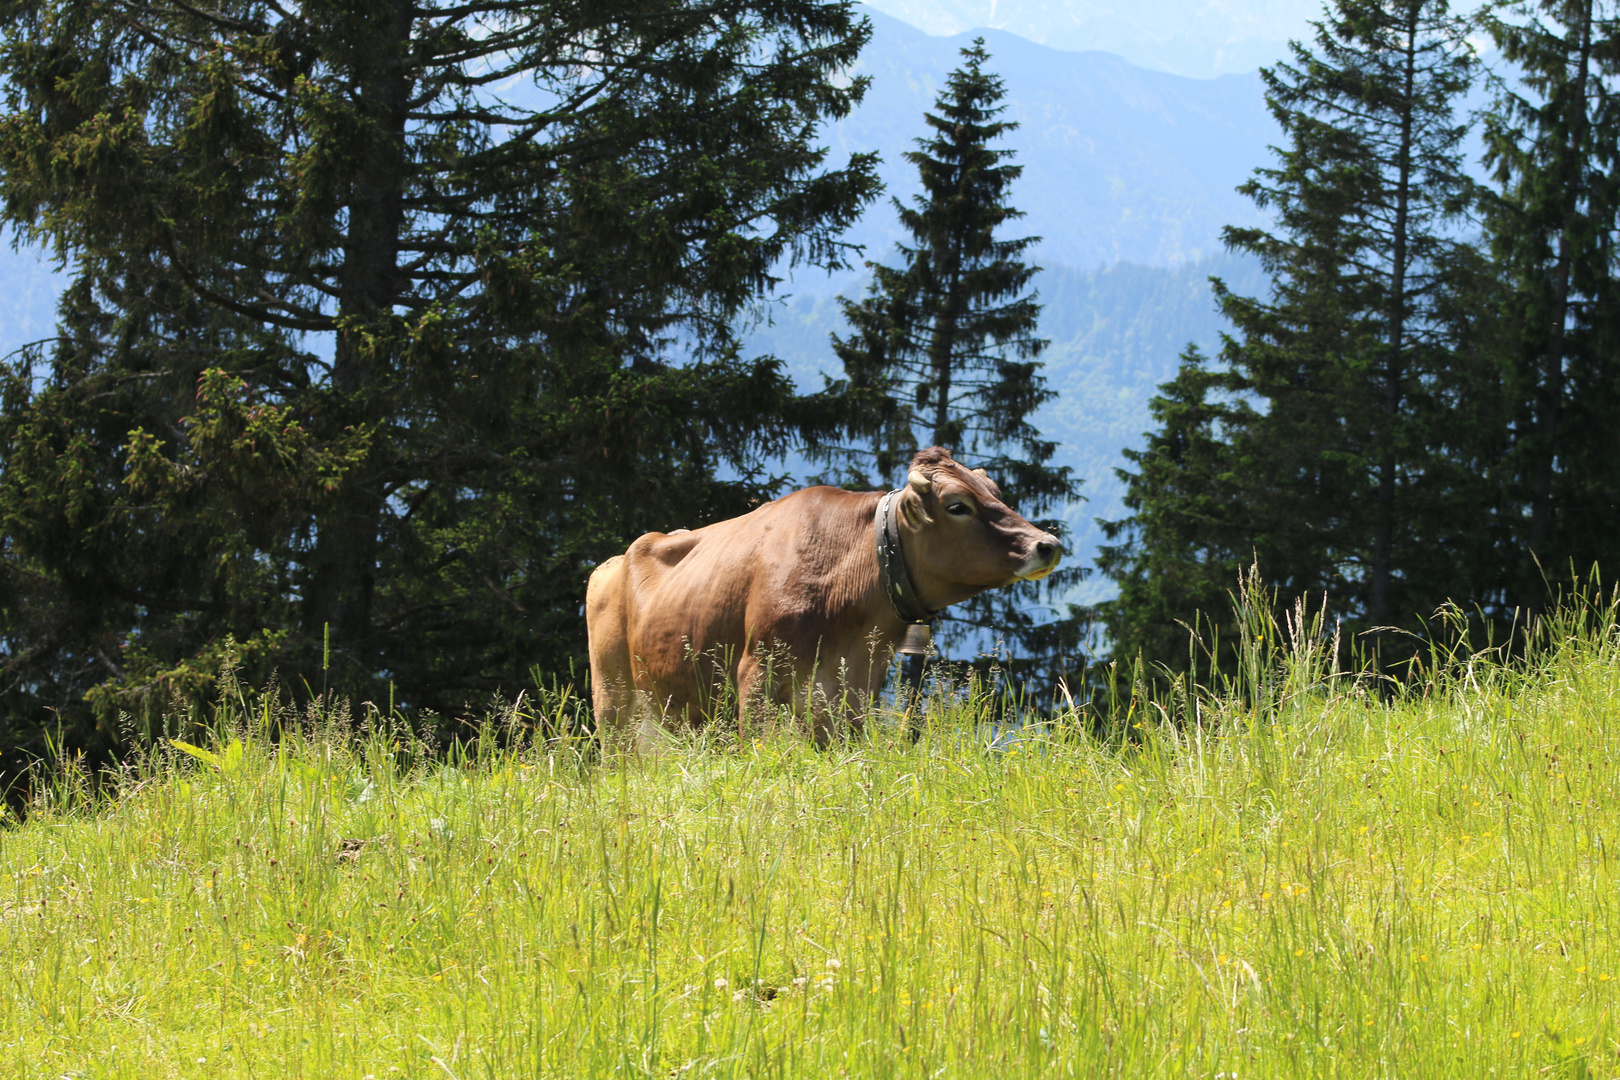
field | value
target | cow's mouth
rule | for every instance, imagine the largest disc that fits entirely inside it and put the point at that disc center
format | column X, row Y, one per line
column 1044, row 566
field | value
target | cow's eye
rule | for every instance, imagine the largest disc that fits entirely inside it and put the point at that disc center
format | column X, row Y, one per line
column 960, row 509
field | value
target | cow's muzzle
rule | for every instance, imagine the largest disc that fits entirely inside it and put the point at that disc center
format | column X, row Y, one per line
column 1042, row 560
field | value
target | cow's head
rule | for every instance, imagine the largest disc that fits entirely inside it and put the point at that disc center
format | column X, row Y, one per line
column 958, row 536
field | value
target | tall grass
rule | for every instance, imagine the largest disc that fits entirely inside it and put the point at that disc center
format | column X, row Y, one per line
column 1300, row 873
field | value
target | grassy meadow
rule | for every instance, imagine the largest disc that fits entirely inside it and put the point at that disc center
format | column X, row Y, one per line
column 1300, row 875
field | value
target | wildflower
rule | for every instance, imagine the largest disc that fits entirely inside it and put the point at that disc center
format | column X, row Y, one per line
column 721, row 984
column 833, row 964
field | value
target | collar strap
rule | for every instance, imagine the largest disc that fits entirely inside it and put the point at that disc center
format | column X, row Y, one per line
column 891, row 560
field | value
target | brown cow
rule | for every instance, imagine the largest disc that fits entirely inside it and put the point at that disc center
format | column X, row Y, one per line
column 800, row 602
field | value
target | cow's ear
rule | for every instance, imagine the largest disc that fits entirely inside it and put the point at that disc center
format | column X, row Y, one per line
column 919, row 483
column 912, row 509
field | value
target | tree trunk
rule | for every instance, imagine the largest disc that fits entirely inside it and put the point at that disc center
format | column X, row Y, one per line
column 941, row 344
column 1384, row 528
column 346, row 544
column 1542, row 508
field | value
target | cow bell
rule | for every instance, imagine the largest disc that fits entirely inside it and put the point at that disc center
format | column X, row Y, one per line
column 917, row 641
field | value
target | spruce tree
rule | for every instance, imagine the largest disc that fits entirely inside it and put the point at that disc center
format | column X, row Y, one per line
column 1188, row 537
column 389, row 321
column 1332, row 457
column 1553, row 140
column 944, row 349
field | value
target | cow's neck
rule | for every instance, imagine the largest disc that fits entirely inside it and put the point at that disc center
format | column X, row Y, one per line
column 894, row 578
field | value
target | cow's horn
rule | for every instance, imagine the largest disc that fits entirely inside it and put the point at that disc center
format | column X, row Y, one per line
column 981, row 472
column 919, row 483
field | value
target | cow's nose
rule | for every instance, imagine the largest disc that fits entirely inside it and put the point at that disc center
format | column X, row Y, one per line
column 1049, row 548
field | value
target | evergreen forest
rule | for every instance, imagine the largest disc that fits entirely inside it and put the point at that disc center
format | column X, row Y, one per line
column 1415, row 416
column 536, row 238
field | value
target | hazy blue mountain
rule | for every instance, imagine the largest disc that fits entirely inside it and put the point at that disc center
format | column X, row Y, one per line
column 1198, row 38
column 1121, row 164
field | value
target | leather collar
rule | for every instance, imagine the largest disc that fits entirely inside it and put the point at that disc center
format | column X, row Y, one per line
column 892, row 572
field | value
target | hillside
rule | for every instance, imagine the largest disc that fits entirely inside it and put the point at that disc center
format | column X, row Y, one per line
column 1317, row 877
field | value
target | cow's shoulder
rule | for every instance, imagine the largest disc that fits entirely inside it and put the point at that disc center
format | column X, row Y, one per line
column 664, row 549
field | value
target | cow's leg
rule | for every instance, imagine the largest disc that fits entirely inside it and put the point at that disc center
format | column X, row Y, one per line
column 757, row 684
column 841, row 694
column 613, row 694
column 652, row 732
column 830, row 701
column 838, row 709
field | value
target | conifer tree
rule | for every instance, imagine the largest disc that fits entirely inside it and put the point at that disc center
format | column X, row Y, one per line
column 374, row 325
column 1553, row 139
column 1330, row 452
column 944, row 348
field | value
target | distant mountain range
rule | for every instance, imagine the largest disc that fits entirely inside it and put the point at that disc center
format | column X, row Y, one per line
column 1121, row 164
column 1199, row 38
